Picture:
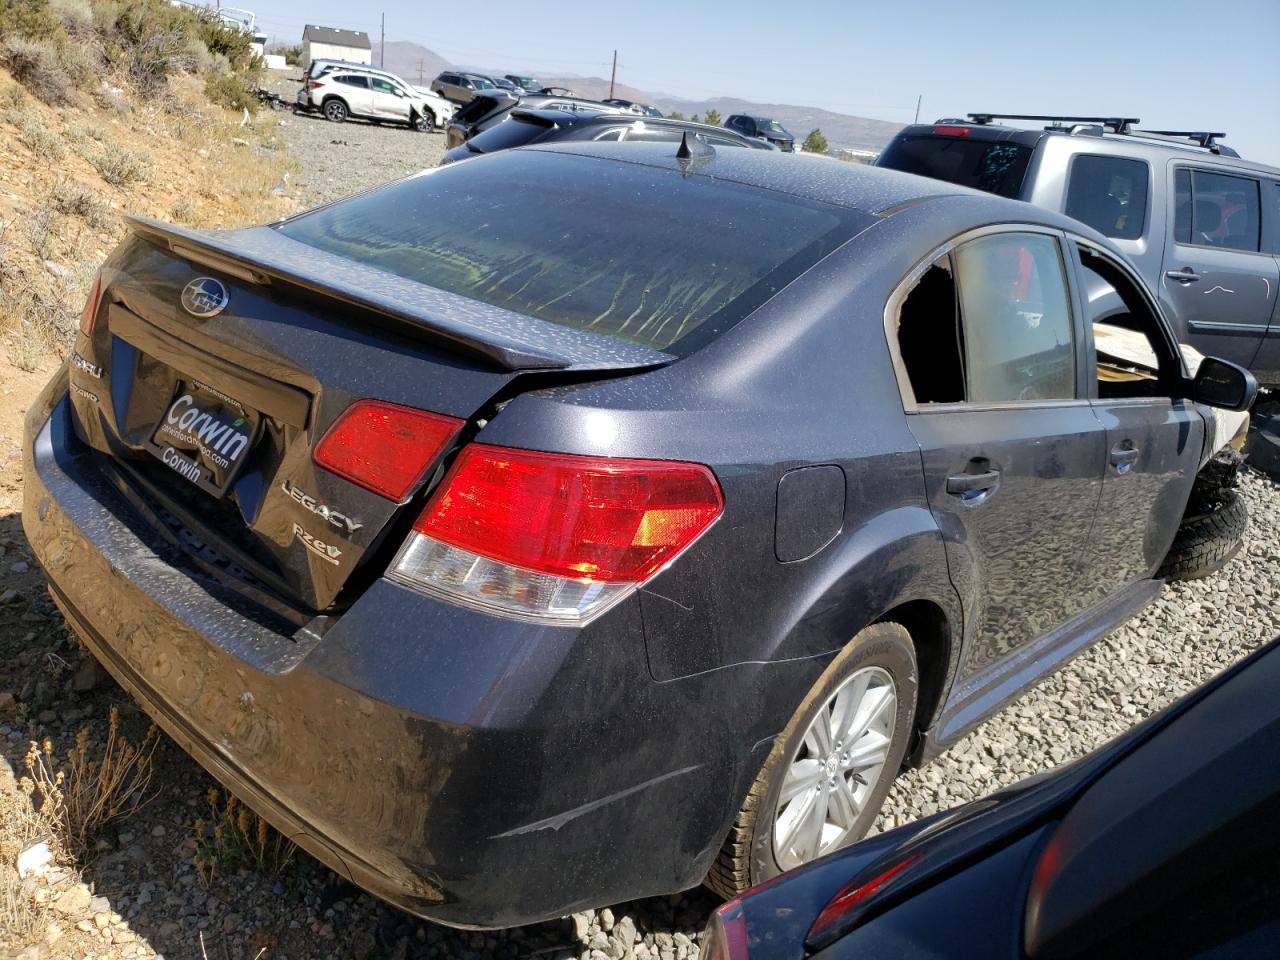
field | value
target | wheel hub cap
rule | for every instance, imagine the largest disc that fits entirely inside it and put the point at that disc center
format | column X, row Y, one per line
column 833, row 773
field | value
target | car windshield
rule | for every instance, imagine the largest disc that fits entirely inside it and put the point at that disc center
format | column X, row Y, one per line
column 527, row 82
column 631, row 251
column 996, row 167
column 512, row 132
column 773, row 126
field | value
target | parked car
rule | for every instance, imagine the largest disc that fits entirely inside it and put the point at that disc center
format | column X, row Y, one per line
column 643, row 109
column 382, row 504
column 764, row 128
column 460, row 88
column 493, row 107
column 525, row 83
column 1160, row 844
column 526, row 127
column 1201, row 224
column 341, row 92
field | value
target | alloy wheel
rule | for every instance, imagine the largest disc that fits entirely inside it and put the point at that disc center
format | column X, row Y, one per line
column 840, row 761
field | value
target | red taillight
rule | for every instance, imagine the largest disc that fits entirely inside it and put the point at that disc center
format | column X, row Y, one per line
column 951, row 131
column 853, row 896
column 726, row 937
column 90, row 312
column 594, row 518
column 385, row 447
column 312, row 84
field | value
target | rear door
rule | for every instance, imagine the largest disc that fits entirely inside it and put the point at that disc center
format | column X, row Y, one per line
column 1218, row 281
column 354, row 88
column 1013, row 454
column 1266, row 365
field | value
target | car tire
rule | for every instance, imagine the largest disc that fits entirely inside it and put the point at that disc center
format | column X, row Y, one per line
column 1206, row 542
column 423, row 122
column 336, row 111
column 883, row 656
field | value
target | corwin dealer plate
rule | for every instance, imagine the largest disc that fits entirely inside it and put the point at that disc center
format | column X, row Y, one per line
column 205, row 436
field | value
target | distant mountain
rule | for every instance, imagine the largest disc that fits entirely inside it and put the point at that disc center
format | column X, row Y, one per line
column 411, row 61
column 840, row 129
column 414, row 61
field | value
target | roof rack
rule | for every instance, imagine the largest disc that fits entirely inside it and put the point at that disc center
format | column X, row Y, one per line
column 1203, row 138
column 1114, row 124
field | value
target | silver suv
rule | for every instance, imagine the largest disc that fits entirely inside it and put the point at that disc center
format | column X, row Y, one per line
column 1199, row 222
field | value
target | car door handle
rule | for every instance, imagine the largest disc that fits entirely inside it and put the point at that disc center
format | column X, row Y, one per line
column 1122, row 458
column 1186, row 275
column 968, row 485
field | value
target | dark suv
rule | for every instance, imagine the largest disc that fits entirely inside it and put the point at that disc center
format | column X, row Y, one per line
column 764, row 129
column 1201, row 224
column 579, row 522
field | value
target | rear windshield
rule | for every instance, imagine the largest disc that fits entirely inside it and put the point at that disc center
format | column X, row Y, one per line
column 512, row 132
column 982, row 164
column 635, row 252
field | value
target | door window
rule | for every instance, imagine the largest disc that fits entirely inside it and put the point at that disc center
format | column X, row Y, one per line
column 1109, row 194
column 991, row 323
column 350, row 81
column 1216, row 210
column 382, row 86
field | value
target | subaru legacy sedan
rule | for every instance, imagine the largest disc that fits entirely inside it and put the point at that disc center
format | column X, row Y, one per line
column 580, row 523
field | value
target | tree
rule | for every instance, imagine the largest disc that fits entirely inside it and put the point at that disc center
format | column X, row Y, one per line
column 675, row 115
column 815, row 142
column 713, row 118
column 695, row 119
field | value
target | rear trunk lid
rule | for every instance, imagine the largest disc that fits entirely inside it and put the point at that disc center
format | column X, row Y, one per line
column 211, row 422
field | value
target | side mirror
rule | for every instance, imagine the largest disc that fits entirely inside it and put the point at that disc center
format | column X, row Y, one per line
column 1222, row 384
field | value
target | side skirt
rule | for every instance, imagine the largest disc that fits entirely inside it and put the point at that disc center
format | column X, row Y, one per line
column 982, row 695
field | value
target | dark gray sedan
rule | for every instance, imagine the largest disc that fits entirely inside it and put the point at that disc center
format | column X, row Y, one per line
column 578, row 523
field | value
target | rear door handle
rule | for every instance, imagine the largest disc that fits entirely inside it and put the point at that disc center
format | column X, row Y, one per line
column 1185, row 275
column 1122, row 458
column 971, row 484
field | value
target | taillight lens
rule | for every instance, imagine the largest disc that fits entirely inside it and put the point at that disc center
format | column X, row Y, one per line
column 951, row 131
column 312, row 84
column 385, row 447
column 90, row 313
column 554, row 536
column 840, row 913
column 726, row 936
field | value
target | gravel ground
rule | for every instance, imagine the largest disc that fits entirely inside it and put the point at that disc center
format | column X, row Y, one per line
column 337, row 159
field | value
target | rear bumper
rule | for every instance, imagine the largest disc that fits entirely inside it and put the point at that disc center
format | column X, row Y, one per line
column 473, row 771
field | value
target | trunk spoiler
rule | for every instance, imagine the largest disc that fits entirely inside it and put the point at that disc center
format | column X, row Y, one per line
column 511, row 340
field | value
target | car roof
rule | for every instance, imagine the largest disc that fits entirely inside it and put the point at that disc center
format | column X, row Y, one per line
column 857, row 186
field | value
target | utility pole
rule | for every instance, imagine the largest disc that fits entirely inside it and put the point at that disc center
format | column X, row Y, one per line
column 918, row 99
column 613, row 76
column 382, row 44
column 419, row 71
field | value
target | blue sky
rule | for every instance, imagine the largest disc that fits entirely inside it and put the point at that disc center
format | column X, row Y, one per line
column 1175, row 64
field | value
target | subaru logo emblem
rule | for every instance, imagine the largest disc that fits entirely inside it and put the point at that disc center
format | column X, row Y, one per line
column 204, row 297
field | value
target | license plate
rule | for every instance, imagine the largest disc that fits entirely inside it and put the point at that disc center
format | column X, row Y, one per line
column 205, row 436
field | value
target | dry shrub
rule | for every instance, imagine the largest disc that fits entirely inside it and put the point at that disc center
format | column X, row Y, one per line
column 12, row 97
column 96, row 787
column 21, row 919
column 235, row 838
column 119, row 166
column 38, row 67
column 42, row 234
column 76, row 200
column 39, row 139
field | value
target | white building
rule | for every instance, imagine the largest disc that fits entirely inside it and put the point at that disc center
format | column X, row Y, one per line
column 329, row 43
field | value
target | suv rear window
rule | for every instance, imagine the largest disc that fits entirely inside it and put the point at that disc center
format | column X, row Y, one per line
column 1109, row 194
column 982, row 164
column 635, row 252
column 515, row 131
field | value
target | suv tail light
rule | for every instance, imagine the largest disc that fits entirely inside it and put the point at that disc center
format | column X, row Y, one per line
column 951, row 131
column 553, row 536
column 89, row 315
column 384, row 447
column 312, row 84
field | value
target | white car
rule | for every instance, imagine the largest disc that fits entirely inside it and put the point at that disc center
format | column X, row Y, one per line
column 342, row 91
